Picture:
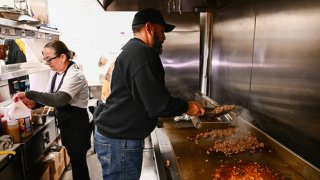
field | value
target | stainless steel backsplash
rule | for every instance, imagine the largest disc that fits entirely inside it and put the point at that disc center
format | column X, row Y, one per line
column 265, row 58
column 181, row 55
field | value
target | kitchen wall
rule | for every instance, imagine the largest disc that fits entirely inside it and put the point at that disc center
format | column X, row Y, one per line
column 7, row 3
column 90, row 31
column 265, row 58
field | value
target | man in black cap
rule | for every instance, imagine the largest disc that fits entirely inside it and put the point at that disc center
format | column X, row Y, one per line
column 138, row 98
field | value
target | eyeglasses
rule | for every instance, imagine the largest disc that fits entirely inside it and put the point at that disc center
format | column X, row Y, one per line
column 48, row 61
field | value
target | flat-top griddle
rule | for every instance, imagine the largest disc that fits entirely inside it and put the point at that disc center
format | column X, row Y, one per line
column 193, row 162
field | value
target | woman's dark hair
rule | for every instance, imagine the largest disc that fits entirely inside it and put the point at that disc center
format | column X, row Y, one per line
column 60, row 48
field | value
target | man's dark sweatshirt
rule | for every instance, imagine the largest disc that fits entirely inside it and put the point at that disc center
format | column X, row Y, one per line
column 138, row 95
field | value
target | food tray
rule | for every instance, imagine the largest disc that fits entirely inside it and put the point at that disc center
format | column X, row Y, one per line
column 203, row 122
column 218, row 111
column 39, row 116
column 216, row 115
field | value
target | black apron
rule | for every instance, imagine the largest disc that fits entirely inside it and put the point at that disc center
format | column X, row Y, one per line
column 73, row 122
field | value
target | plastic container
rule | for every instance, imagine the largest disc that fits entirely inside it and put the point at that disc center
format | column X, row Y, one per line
column 4, row 126
column 4, row 122
column 14, row 130
column 22, row 114
column 1, row 126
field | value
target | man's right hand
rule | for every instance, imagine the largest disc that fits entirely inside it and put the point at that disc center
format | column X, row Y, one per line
column 195, row 109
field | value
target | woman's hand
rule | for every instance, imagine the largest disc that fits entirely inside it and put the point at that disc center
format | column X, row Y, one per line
column 19, row 96
column 195, row 109
column 22, row 96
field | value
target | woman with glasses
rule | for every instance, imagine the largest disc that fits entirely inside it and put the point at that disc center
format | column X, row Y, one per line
column 68, row 92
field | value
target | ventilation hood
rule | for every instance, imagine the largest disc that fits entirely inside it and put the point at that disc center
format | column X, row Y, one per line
column 171, row 6
column 125, row 5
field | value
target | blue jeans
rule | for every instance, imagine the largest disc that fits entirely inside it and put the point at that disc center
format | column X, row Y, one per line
column 120, row 159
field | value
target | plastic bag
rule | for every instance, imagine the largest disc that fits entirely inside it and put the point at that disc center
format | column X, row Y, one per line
column 21, row 113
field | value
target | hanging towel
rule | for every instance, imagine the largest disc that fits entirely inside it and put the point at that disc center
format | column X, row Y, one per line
column 22, row 46
column 15, row 55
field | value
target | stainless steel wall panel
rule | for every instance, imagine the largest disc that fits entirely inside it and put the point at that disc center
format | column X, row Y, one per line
column 180, row 57
column 232, row 54
column 181, row 63
column 285, row 81
column 266, row 58
column 206, row 22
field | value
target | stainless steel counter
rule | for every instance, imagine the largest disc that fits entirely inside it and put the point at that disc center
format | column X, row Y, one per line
column 28, row 151
column 34, row 146
column 149, row 166
column 11, row 166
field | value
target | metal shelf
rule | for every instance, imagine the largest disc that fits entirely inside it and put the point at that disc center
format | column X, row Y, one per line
column 12, row 26
column 21, row 69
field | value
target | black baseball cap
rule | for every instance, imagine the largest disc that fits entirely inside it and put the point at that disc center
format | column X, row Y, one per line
column 153, row 16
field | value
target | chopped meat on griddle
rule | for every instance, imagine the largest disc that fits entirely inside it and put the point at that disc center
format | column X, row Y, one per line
column 245, row 170
column 228, row 141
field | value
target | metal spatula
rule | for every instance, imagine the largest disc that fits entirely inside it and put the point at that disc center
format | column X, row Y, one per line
column 218, row 111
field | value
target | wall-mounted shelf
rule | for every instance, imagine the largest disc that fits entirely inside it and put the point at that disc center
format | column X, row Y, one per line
column 14, row 28
column 21, row 69
column 10, row 28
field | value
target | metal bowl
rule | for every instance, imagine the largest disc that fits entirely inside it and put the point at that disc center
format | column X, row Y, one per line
column 39, row 116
